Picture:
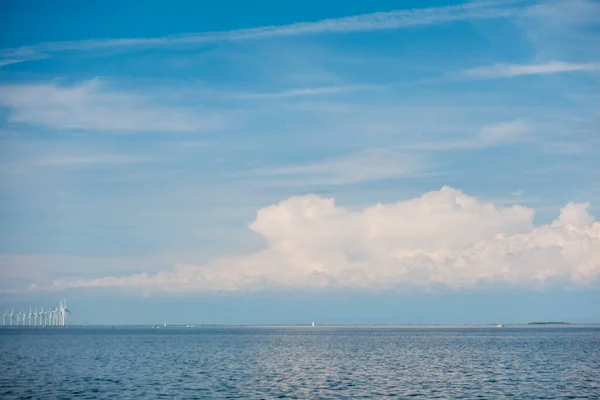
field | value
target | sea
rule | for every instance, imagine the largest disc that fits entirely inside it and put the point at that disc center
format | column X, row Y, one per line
column 522, row 362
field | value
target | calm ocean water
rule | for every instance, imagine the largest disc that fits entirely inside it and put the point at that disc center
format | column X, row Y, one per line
column 305, row 363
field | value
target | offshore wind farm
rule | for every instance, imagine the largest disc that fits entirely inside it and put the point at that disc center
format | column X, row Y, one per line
column 55, row 316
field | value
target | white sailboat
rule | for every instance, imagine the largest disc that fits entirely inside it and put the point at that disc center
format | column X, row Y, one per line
column 313, row 323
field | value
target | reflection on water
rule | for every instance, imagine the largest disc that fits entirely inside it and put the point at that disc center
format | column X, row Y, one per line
column 248, row 363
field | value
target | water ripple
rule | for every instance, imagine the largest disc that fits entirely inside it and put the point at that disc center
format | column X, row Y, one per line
column 251, row 363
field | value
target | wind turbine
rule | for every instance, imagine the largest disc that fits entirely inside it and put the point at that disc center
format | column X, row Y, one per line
column 4, row 318
column 35, row 315
column 18, row 317
column 42, row 317
column 29, row 315
column 63, row 312
column 12, row 313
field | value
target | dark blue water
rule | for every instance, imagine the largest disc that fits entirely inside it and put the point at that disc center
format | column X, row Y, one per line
column 306, row 363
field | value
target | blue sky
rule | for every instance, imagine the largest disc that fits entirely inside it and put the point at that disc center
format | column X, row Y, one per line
column 197, row 154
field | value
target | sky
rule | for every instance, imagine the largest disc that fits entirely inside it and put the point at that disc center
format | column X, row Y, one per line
column 278, row 162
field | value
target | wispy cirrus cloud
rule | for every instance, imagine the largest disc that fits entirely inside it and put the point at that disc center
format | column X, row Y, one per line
column 398, row 161
column 512, row 70
column 15, row 56
column 115, row 159
column 364, row 166
column 94, row 105
column 488, row 136
column 305, row 92
column 359, row 23
column 9, row 60
column 563, row 29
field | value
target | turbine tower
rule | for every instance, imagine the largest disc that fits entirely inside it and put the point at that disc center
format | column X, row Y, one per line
column 4, row 318
column 29, row 315
column 35, row 315
column 12, row 313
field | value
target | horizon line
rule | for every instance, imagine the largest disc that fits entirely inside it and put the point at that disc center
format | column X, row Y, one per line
column 357, row 325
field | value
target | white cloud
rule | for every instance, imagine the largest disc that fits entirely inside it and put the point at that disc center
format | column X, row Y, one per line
column 511, row 70
column 366, row 22
column 443, row 239
column 92, row 105
column 574, row 214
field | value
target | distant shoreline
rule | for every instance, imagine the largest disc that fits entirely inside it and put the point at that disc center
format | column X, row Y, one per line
column 549, row 323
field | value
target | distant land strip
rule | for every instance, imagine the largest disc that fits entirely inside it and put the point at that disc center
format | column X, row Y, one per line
column 549, row 323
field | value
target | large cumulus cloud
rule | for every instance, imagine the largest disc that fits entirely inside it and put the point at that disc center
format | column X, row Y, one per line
column 443, row 239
